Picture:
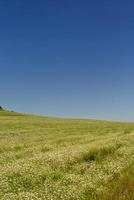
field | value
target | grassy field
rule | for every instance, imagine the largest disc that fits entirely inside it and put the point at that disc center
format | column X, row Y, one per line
column 65, row 159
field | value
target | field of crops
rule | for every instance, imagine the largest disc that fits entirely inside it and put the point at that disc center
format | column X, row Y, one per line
column 45, row 158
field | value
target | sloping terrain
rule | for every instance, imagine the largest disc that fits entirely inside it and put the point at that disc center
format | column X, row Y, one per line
column 65, row 159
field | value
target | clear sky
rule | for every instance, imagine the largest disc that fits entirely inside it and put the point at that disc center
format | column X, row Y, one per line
column 71, row 58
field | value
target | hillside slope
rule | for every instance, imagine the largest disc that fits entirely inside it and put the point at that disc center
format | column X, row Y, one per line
column 65, row 159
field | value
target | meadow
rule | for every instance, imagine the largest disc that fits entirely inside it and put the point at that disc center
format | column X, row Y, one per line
column 44, row 158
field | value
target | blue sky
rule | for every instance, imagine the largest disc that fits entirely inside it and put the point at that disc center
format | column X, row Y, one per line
column 68, row 58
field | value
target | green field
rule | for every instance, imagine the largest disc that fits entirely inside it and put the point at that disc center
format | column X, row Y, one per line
column 45, row 158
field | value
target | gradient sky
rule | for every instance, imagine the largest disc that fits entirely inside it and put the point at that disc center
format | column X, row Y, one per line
column 71, row 58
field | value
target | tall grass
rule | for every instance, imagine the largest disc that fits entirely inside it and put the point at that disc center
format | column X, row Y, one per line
column 65, row 159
